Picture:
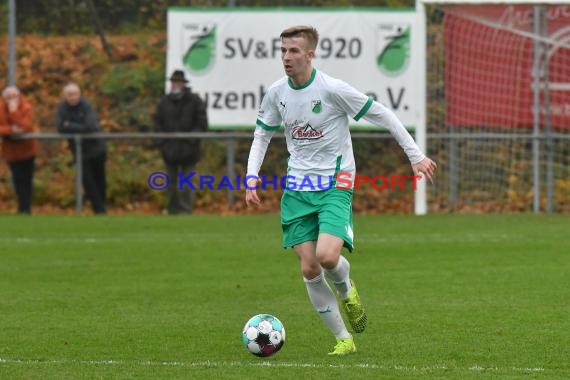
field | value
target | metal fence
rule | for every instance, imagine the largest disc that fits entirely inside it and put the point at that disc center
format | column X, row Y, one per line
column 230, row 139
column 446, row 176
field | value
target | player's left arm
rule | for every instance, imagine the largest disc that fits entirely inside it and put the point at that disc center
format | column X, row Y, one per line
column 358, row 105
column 380, row 115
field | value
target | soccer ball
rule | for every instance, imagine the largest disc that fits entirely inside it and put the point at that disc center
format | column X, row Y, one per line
column 263, row 335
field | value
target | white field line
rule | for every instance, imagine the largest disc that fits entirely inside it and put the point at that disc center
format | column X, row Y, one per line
column 222, row 364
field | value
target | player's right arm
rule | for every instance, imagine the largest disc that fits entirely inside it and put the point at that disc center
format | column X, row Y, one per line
column 268, row 122
column 261, row 139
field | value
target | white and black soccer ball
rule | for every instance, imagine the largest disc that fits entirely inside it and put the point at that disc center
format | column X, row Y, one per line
column 263, row 335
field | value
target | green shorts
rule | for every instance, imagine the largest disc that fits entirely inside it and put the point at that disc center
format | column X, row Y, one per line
column 305, row 214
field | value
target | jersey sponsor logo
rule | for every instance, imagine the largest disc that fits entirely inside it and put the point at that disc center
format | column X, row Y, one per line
column 305, row 132
column 316, row 106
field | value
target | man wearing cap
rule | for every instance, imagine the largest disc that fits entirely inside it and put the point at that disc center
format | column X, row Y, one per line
column 180, row 110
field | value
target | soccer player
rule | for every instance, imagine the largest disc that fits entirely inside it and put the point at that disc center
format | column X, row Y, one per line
column 314, row 109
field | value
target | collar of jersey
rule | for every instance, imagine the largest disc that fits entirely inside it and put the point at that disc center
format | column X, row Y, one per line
column 306, row 84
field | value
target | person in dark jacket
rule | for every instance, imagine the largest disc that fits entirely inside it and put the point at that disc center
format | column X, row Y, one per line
column 180, row 110
column 76, row 115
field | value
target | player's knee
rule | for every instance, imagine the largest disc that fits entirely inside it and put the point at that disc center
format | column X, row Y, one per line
column 311, row 270
column 327, row 258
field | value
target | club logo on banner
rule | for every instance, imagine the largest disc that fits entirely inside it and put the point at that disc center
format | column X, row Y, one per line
column 393, row 47
column 234, row 57
column 199, row 47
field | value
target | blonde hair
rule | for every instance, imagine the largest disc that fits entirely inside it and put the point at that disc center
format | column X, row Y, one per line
column 310, row 34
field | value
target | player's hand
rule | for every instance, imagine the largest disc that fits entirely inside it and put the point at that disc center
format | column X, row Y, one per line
column 425, row 166
column 251, row 195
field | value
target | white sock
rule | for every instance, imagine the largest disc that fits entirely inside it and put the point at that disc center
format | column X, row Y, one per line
column 325, row 303
column 340, row 277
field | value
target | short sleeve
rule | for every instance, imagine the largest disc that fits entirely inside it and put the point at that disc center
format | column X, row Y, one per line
column 350, row 100
column 268, row 116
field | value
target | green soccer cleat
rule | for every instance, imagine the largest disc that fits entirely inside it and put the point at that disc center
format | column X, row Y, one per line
column 355, row 311
column 343, row 347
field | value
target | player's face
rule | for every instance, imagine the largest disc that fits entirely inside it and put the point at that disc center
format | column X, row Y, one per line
column 295, row 55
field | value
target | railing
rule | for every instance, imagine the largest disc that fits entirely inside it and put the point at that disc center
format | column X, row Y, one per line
column 231, row 138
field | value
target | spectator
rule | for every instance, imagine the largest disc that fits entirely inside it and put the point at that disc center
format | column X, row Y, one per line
column 16, row 118
column 180, row 111
column 76, row 115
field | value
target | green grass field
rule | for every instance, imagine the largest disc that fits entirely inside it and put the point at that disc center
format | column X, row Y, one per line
column 448, row 296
